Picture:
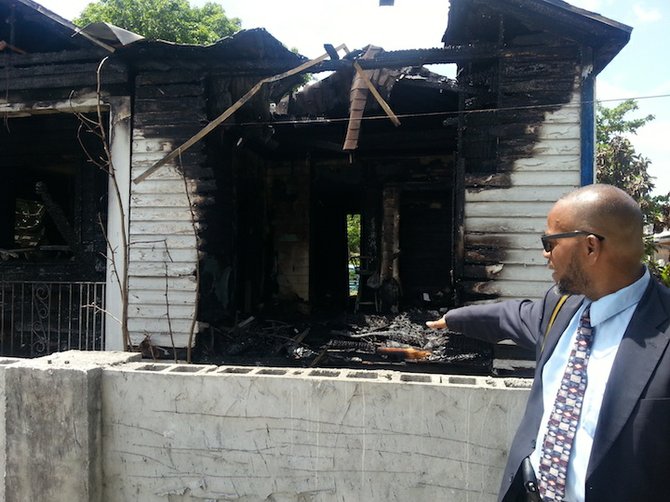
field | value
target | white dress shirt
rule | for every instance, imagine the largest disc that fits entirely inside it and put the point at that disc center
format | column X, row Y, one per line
column 610, row 316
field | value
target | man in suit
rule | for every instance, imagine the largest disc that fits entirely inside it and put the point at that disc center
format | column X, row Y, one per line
column 618, row 446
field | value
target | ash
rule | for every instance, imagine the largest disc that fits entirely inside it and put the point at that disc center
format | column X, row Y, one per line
column 350, row 340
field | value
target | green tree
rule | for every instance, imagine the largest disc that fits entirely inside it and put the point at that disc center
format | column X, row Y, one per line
column 617, row 163
column 170, row 20
column 354, row 234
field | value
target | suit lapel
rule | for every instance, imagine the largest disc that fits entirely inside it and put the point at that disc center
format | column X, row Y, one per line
column 562, row 320
column 642, row 346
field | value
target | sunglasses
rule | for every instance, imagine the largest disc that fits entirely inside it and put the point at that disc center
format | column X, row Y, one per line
column 548, row 245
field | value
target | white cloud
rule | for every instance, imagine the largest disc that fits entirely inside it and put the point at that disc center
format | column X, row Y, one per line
column 646, row 15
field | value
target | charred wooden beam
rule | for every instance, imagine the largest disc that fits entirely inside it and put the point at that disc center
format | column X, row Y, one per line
column 390, row 265
column 76, row 75
column 458, row 54
column 46, row 58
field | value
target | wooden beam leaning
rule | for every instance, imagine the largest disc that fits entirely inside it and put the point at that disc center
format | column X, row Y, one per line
column 232, row 109
column 382, row 102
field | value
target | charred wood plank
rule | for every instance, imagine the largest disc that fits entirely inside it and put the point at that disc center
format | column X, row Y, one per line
column 170, row 90
column 69, row 80
column 58, row 215
column 499, row 180
column 36, row 59
column 449, row 54
column 173, row 118
column 483, row 272
column 482, row 256
column 54, row 70
column 521, row 85
column 168, row 77
column 169, row 103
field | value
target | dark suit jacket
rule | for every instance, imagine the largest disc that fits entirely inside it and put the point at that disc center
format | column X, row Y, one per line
column 630, row 459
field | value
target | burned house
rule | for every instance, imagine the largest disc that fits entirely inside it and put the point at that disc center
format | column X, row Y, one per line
column 203, row 226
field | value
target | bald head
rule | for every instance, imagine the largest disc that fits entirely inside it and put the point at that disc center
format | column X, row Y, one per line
column 611, row 212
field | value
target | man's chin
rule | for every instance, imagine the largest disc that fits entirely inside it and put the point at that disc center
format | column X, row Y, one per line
column 565, row 288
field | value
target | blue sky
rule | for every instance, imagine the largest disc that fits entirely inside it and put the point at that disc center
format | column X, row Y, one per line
column 639, row 71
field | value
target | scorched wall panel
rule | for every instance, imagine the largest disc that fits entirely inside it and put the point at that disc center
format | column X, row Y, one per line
column 503, row 225
column 163, row 228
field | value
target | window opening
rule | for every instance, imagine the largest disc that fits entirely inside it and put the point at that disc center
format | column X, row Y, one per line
column 353, row 252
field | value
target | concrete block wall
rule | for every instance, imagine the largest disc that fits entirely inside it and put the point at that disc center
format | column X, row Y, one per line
column 119, row 429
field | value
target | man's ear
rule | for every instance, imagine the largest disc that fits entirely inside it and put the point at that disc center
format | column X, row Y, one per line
column 593, row 244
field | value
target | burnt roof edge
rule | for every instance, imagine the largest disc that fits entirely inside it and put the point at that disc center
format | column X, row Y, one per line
column 64, row 23
column 606, row 36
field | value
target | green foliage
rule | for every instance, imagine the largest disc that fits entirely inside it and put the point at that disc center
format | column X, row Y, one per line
column 612, row 122
column 617, row 163
column 170, row 20
column 665, row 275
column 354, row 234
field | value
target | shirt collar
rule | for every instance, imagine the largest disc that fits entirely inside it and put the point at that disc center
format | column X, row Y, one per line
column 614, row 303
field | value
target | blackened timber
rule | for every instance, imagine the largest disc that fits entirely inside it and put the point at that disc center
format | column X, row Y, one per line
column 450, row 54
column 484, row 255
column 570, row 21
column 47, row 58
column 498, row 180
column 59, row 76
column 159, row 91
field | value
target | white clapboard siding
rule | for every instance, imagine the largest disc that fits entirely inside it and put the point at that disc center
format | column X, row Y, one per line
column 553, row 163
column 157, row 186
column 549, row 177
column 162, row 213
column 161, row 311
column 157, row 284
column 163, row 249
column 168, row 200
column 158, row 338
column 526, row 257
column 148, row 325
column 503, row 223
column 515, row 217
column 143, row 162
column 513, row 209
column 162, row 254
column 148, row 297
column 160, row 241
column 178, row 226
column 523, row 193
column 164, row 268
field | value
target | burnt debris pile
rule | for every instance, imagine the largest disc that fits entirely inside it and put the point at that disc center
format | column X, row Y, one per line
column 394, row 341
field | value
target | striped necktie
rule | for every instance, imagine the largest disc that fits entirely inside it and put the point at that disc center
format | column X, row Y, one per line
column 564, row 417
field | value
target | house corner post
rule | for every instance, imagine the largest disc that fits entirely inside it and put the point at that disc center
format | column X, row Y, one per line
column 118, row 219
column 588, row 119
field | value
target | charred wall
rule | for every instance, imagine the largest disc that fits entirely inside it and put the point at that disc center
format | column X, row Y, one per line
column 535, row 73
column 33, row 78
column 53, row 200
column 43, row 141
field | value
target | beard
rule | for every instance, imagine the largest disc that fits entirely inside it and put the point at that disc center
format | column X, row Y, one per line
column 573, row 281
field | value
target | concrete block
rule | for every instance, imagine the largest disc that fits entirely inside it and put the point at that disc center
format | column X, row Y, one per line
column 277, row 434
column 53, row 427
column 4, row 362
